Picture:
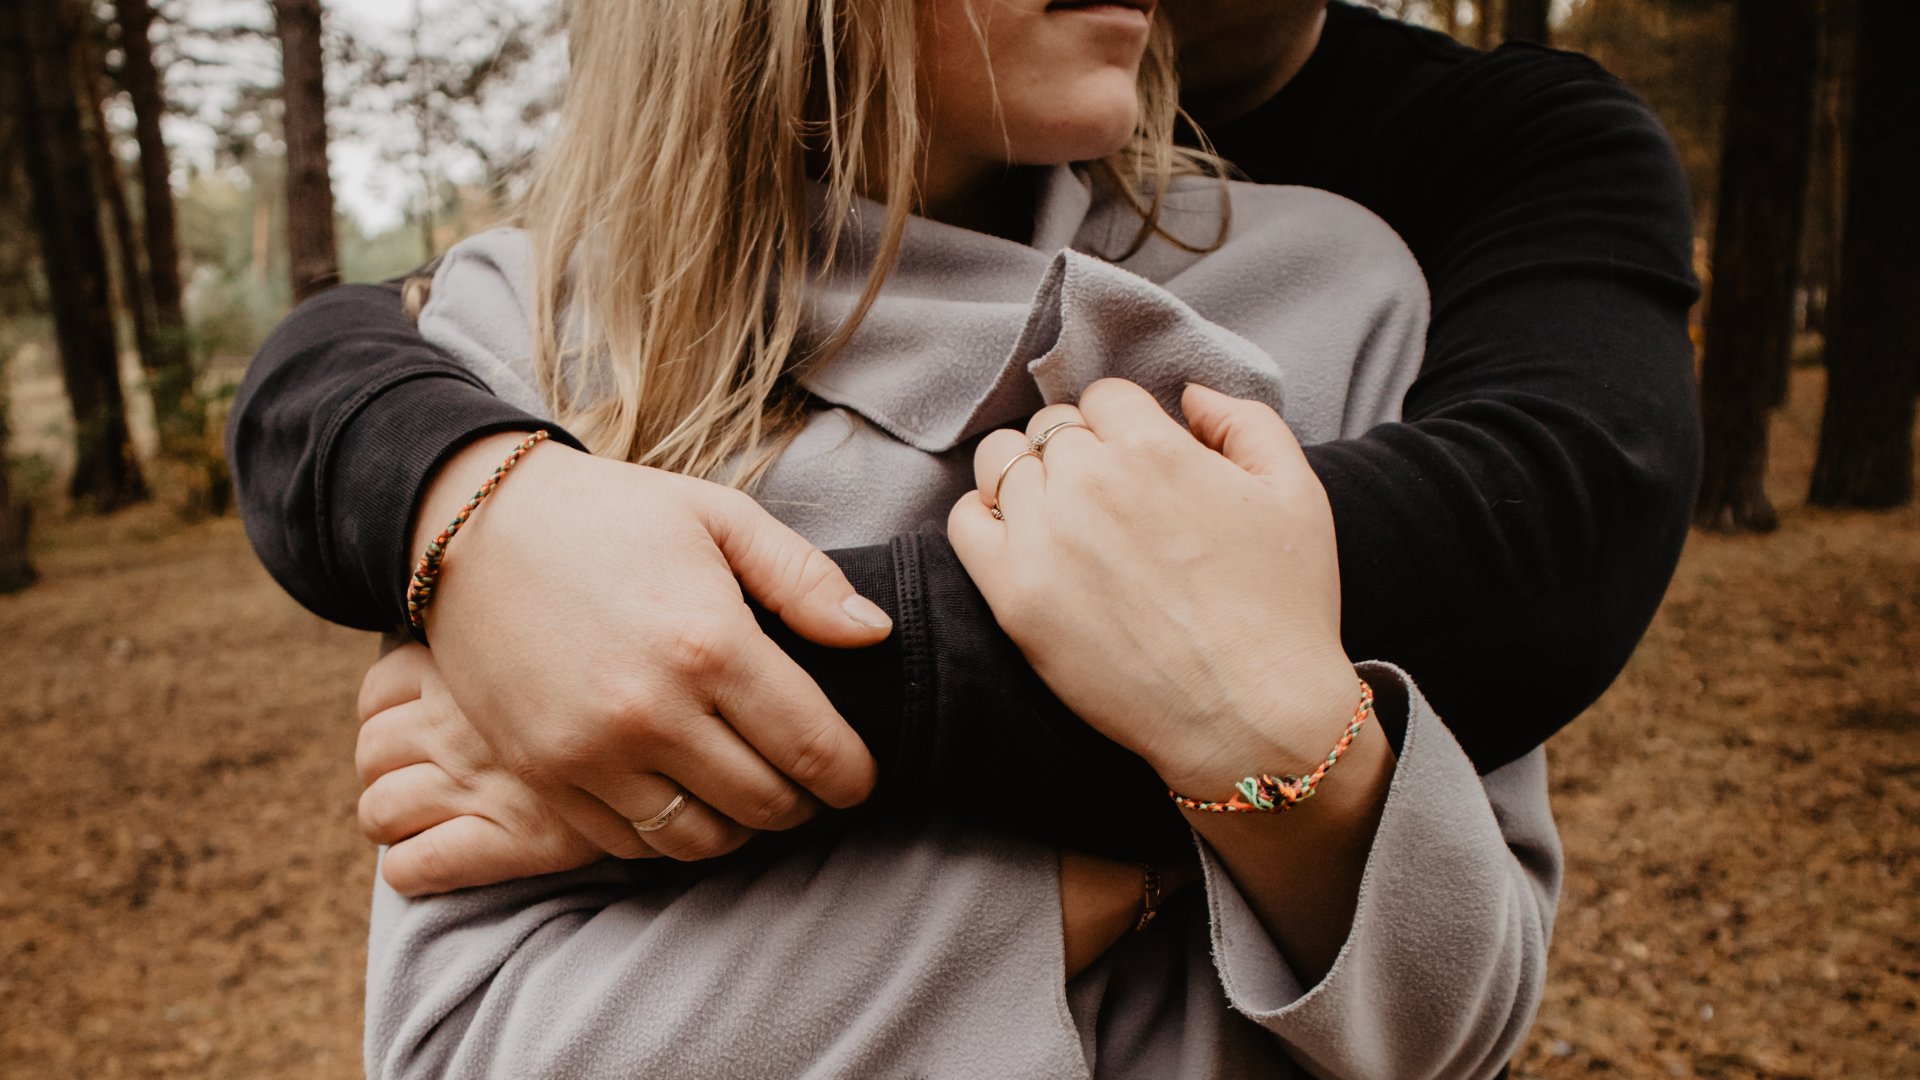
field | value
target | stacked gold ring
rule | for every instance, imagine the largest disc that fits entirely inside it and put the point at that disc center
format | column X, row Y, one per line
column 1038, row 444
column 1036, row 449
column 994, row 507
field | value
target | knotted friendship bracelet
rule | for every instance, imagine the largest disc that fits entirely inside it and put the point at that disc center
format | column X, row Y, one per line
column 427, row 572
column 1277, row 794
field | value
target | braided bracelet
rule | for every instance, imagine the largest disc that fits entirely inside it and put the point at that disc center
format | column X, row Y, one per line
column 1278, row 794
column 1150, row 894
column 427, row 572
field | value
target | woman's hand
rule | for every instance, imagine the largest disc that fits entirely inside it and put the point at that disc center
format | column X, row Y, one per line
column 435, row 791
column 1180, row 591
column 589, row 621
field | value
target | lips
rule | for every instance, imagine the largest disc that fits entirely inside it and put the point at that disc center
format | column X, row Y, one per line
column 1143, row 6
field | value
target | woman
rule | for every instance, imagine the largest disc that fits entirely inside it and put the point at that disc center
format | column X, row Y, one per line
column 1117, row 555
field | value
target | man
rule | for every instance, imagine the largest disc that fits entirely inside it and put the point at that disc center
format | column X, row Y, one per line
column 1534, row 499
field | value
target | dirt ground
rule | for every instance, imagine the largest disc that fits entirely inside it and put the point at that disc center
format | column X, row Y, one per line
column 183, row 892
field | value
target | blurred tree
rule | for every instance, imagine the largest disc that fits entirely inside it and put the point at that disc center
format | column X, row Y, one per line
column 16, row 300
column 90, row 77
column 477, row 81
column 1674, row 54
column 40, row 38
column 1873, row 346
column 1756, row 249
column 1827, row 185
column 16, row 569
column 178, row 410
column 1526, row 20
column 314, row 261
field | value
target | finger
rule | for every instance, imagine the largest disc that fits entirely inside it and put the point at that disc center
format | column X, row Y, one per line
column 392, row 739
column 1007, row 474
column 407, row 801
column 1055, row 426
column 394, row 678
column 1115, row 406
column 791, row 577
column 791, row 733
column 976, row 535
column 696, row 831
column 600, row 823
column 1247, row 433
column 460, row 853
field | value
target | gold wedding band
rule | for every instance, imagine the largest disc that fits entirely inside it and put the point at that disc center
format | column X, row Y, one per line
column 994, row 507
column 662, row 819
column 1038, row 444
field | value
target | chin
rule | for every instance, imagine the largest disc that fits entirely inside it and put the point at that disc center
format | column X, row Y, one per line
column 1084, row 134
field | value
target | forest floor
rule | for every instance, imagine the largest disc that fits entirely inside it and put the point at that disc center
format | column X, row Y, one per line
column 183, row 891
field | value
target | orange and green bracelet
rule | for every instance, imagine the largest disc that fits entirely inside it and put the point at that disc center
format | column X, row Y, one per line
column 1277, row 794
column 426, row 573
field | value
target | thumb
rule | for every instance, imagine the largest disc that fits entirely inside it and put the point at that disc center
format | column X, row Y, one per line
column 789, row 576
column 1247, row 433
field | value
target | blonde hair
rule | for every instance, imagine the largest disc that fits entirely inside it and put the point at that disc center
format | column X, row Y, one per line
column 670, row 220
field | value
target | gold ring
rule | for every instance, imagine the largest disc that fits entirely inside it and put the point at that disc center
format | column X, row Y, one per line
column 662, row 819
column 994, row 507
column 1038, row 444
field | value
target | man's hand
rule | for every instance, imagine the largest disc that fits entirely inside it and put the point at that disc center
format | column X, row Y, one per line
column 589, row 622
column 435, row 791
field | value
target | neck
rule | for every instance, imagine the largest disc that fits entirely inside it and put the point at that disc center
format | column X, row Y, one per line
column 1233, row 65
column 990, row 197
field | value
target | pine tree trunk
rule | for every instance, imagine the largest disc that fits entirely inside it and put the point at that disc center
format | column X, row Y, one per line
column 131, row 279
column 1873, row 348
column 1526, row 20
column 16, row 570
column 1756, row 251
column 1826, row 181
column 41, row 36
column 179, row 412
column 310, row 241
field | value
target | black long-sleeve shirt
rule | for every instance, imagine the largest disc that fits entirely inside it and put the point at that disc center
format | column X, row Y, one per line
column 1507, row 543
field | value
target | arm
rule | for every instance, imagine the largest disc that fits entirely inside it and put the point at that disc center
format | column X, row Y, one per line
column 1551, row 442
column 1395, row 923
column 1444, row 963
column 335, row 435
column 454, row 818
column 1550, row 449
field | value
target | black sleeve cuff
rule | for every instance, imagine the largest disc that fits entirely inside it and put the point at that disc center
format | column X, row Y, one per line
column 374, row 468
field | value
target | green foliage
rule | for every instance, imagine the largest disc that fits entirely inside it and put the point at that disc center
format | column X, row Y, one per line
column 379, row 257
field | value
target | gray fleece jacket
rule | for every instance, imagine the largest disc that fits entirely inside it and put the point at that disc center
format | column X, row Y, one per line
column 932, row 950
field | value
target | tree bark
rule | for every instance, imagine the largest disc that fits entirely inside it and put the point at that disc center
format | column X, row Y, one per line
column 16, row 569
column 135, row 299
column 1756, row 251
column 179, row 412
column 310, row 240
column 1873, row 349
column 1826, row 181
column 1526, row 20
column 40, row 39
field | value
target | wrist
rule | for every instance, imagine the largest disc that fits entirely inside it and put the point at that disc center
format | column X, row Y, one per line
column 1284, row 729
column 480, row 520
column 453, row 482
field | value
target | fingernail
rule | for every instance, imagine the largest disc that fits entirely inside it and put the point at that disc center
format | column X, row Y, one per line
column 865, row 612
